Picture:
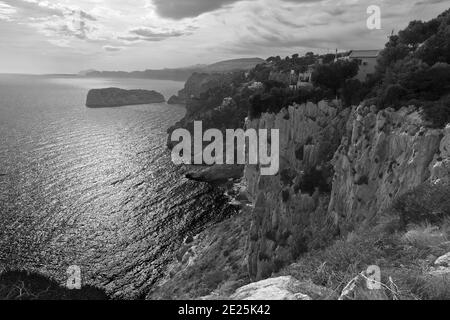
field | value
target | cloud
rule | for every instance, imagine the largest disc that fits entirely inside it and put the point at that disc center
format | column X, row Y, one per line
column 428, row 2
column 52, row 20
column 123, row 34
column 34, row 8
column 179, row 9
column 149, row 34
column 112, row 48
column 6, row 11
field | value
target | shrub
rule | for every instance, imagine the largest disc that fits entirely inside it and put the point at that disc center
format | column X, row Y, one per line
column 425, row 236
column 313, row 179
column 438, row 113
column 333, row 76
column 426, row 203
column 392, row 95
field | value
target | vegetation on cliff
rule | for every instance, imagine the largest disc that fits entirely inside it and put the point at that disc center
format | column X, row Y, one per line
column 414, row 69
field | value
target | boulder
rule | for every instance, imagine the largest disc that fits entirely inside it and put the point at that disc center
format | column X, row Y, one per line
column 217, row 174
column 441, row 269
column 443, row 261
column 281, row 288
column 115, row 97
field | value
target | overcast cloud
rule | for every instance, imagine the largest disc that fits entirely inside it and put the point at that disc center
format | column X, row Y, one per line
column 70, row 35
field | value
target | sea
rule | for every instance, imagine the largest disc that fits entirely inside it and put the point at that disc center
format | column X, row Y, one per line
column 94, row 188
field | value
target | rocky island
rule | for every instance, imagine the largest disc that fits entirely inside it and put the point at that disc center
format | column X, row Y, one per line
column 115, row 97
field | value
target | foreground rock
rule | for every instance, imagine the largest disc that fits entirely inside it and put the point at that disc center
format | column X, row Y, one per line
column 217, row 174
column 115, row 97
column 281, row 288
column 441, row 268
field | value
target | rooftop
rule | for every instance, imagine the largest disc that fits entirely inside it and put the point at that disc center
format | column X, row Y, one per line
column 364, row 53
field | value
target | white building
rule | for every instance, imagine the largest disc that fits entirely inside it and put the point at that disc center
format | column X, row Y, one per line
column 367, row 62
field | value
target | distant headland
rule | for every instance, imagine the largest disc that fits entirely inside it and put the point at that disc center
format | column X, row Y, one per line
column 178, row 74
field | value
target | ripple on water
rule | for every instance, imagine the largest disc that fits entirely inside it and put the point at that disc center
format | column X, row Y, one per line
column 94, row 188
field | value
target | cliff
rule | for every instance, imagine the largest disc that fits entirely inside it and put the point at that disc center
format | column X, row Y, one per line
column 386, row 154
column 340, row 169
column 199, row 83
column 285, row 205
column 210, row 98
column 115, row 97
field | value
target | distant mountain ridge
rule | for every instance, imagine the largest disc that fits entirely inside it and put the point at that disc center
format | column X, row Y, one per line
column 178, row 74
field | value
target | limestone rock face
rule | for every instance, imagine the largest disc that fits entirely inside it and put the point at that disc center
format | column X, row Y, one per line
column 282, row 288
column 115, row 97
column 385, row 155
column 440, row 167
column 286, row 204
column 338, row 169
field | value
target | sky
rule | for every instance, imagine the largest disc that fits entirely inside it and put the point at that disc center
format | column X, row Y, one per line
column 67, row 36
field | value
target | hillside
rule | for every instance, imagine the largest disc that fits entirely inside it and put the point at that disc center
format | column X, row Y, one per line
column 364, row 179
column 233, row 65
column 178, row 74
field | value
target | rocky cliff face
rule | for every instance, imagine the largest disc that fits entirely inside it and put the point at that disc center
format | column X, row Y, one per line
column 338, row 169
column 209, row 98
column 287, row 206
column 199, row 83
column 386, row 154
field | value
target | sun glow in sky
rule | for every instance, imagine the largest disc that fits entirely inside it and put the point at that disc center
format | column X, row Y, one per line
column 66, row 36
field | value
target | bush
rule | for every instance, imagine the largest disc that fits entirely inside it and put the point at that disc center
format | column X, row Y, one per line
column 392, row 95
column 438, row 113
column 353, row 92
column 333, row 76
column 426, row 203
column 313, row 179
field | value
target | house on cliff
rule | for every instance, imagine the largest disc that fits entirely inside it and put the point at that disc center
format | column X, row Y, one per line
column 367, row 60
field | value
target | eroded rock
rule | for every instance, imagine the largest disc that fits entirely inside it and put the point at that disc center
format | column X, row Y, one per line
column 285, row 204
column 387, row 154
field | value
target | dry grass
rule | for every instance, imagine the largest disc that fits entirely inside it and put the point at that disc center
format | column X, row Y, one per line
column 20, row 285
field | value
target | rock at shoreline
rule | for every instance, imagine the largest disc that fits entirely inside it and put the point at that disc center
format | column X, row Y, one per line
column 115, row 97
column 176, row 100
column 217, row 174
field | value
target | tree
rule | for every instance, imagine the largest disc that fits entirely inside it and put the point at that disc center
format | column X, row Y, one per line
column 334, row 75
column 417, row 32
